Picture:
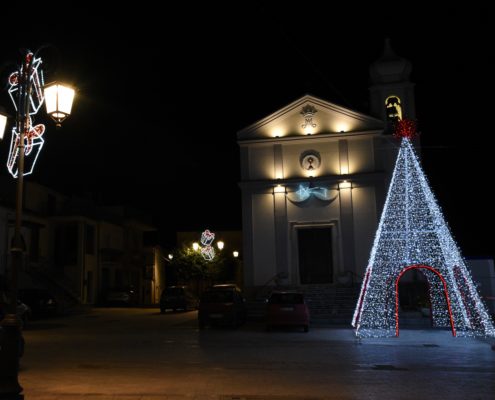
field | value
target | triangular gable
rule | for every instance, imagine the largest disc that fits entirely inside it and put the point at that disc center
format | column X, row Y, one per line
column 329, row 118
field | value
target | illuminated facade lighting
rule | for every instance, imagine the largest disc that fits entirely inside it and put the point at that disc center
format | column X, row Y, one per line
column 345, row 185
column 3, row 124
column 279, row 189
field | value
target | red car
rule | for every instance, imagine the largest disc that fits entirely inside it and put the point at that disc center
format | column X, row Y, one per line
column 222, row 305
column 287, row 309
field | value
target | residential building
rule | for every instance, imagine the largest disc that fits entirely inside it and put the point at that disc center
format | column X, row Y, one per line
column 77, row 248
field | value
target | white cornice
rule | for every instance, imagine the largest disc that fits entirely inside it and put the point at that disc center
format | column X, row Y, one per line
column 308, row 138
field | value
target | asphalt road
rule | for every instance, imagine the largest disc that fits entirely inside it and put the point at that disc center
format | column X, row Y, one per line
column 142, row 354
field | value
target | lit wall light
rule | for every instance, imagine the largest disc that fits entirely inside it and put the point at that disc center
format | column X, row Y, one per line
column 345, row 185
column 277, row 132
column 344, row 169
column 235, row 254
column 308, row 130
column 195, row 246
column 220, row 245
column 170, row 256
column 279, row 189
column 311, row 174
column 342, row 127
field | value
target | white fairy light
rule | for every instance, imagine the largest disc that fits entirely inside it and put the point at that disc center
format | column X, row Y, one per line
column 413, row 234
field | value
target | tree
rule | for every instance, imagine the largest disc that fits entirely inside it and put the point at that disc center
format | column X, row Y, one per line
column 189, row 265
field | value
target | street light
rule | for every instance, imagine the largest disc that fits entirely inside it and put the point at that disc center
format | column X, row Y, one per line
column 28, row 94
column 58, row 100
column 3, row 122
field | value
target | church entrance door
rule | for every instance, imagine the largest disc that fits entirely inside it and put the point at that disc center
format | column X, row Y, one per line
column 315, row 255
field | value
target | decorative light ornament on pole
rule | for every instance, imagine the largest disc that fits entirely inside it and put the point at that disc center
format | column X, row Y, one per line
column 413, row 235
column 207, row 251
column 27, row 93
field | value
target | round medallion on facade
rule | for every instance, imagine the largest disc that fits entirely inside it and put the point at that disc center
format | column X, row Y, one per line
column 310, row 160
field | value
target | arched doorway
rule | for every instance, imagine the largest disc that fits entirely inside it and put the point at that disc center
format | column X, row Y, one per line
column 445, row 291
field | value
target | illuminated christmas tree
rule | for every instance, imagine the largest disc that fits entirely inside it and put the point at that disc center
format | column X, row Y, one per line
column 413, row 234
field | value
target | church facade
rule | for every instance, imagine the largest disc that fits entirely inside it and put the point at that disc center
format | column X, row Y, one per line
column 314, row 177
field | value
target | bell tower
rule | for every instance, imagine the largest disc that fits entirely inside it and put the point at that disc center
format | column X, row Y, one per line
column 391, row 91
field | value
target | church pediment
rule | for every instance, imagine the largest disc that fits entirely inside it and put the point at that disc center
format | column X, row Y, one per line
column 310, row 115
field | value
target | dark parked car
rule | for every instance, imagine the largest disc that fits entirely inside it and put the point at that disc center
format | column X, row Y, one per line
column 287, row 309
column 222, row 305
column 23, row 311
column 127, row 296
column 41, row 301
column 178, row 298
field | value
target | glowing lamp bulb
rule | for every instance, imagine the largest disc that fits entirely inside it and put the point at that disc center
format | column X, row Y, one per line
column 279, row 189
column 3, row 124
column 58, row 100
column 345, row 185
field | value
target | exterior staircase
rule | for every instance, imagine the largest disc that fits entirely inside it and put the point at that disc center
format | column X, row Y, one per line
column 414, row 319
column 331, row 304
column 328, row 304
column 60, row 288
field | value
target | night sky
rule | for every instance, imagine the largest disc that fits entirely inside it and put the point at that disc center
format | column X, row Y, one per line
column 162, row 93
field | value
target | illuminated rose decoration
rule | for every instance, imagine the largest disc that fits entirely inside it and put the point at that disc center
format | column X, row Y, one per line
column 34, row 133
column 14, row 79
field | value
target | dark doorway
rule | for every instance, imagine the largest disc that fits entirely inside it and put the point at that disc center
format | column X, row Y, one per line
column 315, row 255
column 105, row 283
column 413, row 291
column 89, row 287
column 441, row 287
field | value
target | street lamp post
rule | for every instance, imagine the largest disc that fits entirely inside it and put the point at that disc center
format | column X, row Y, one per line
column 58, row 99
